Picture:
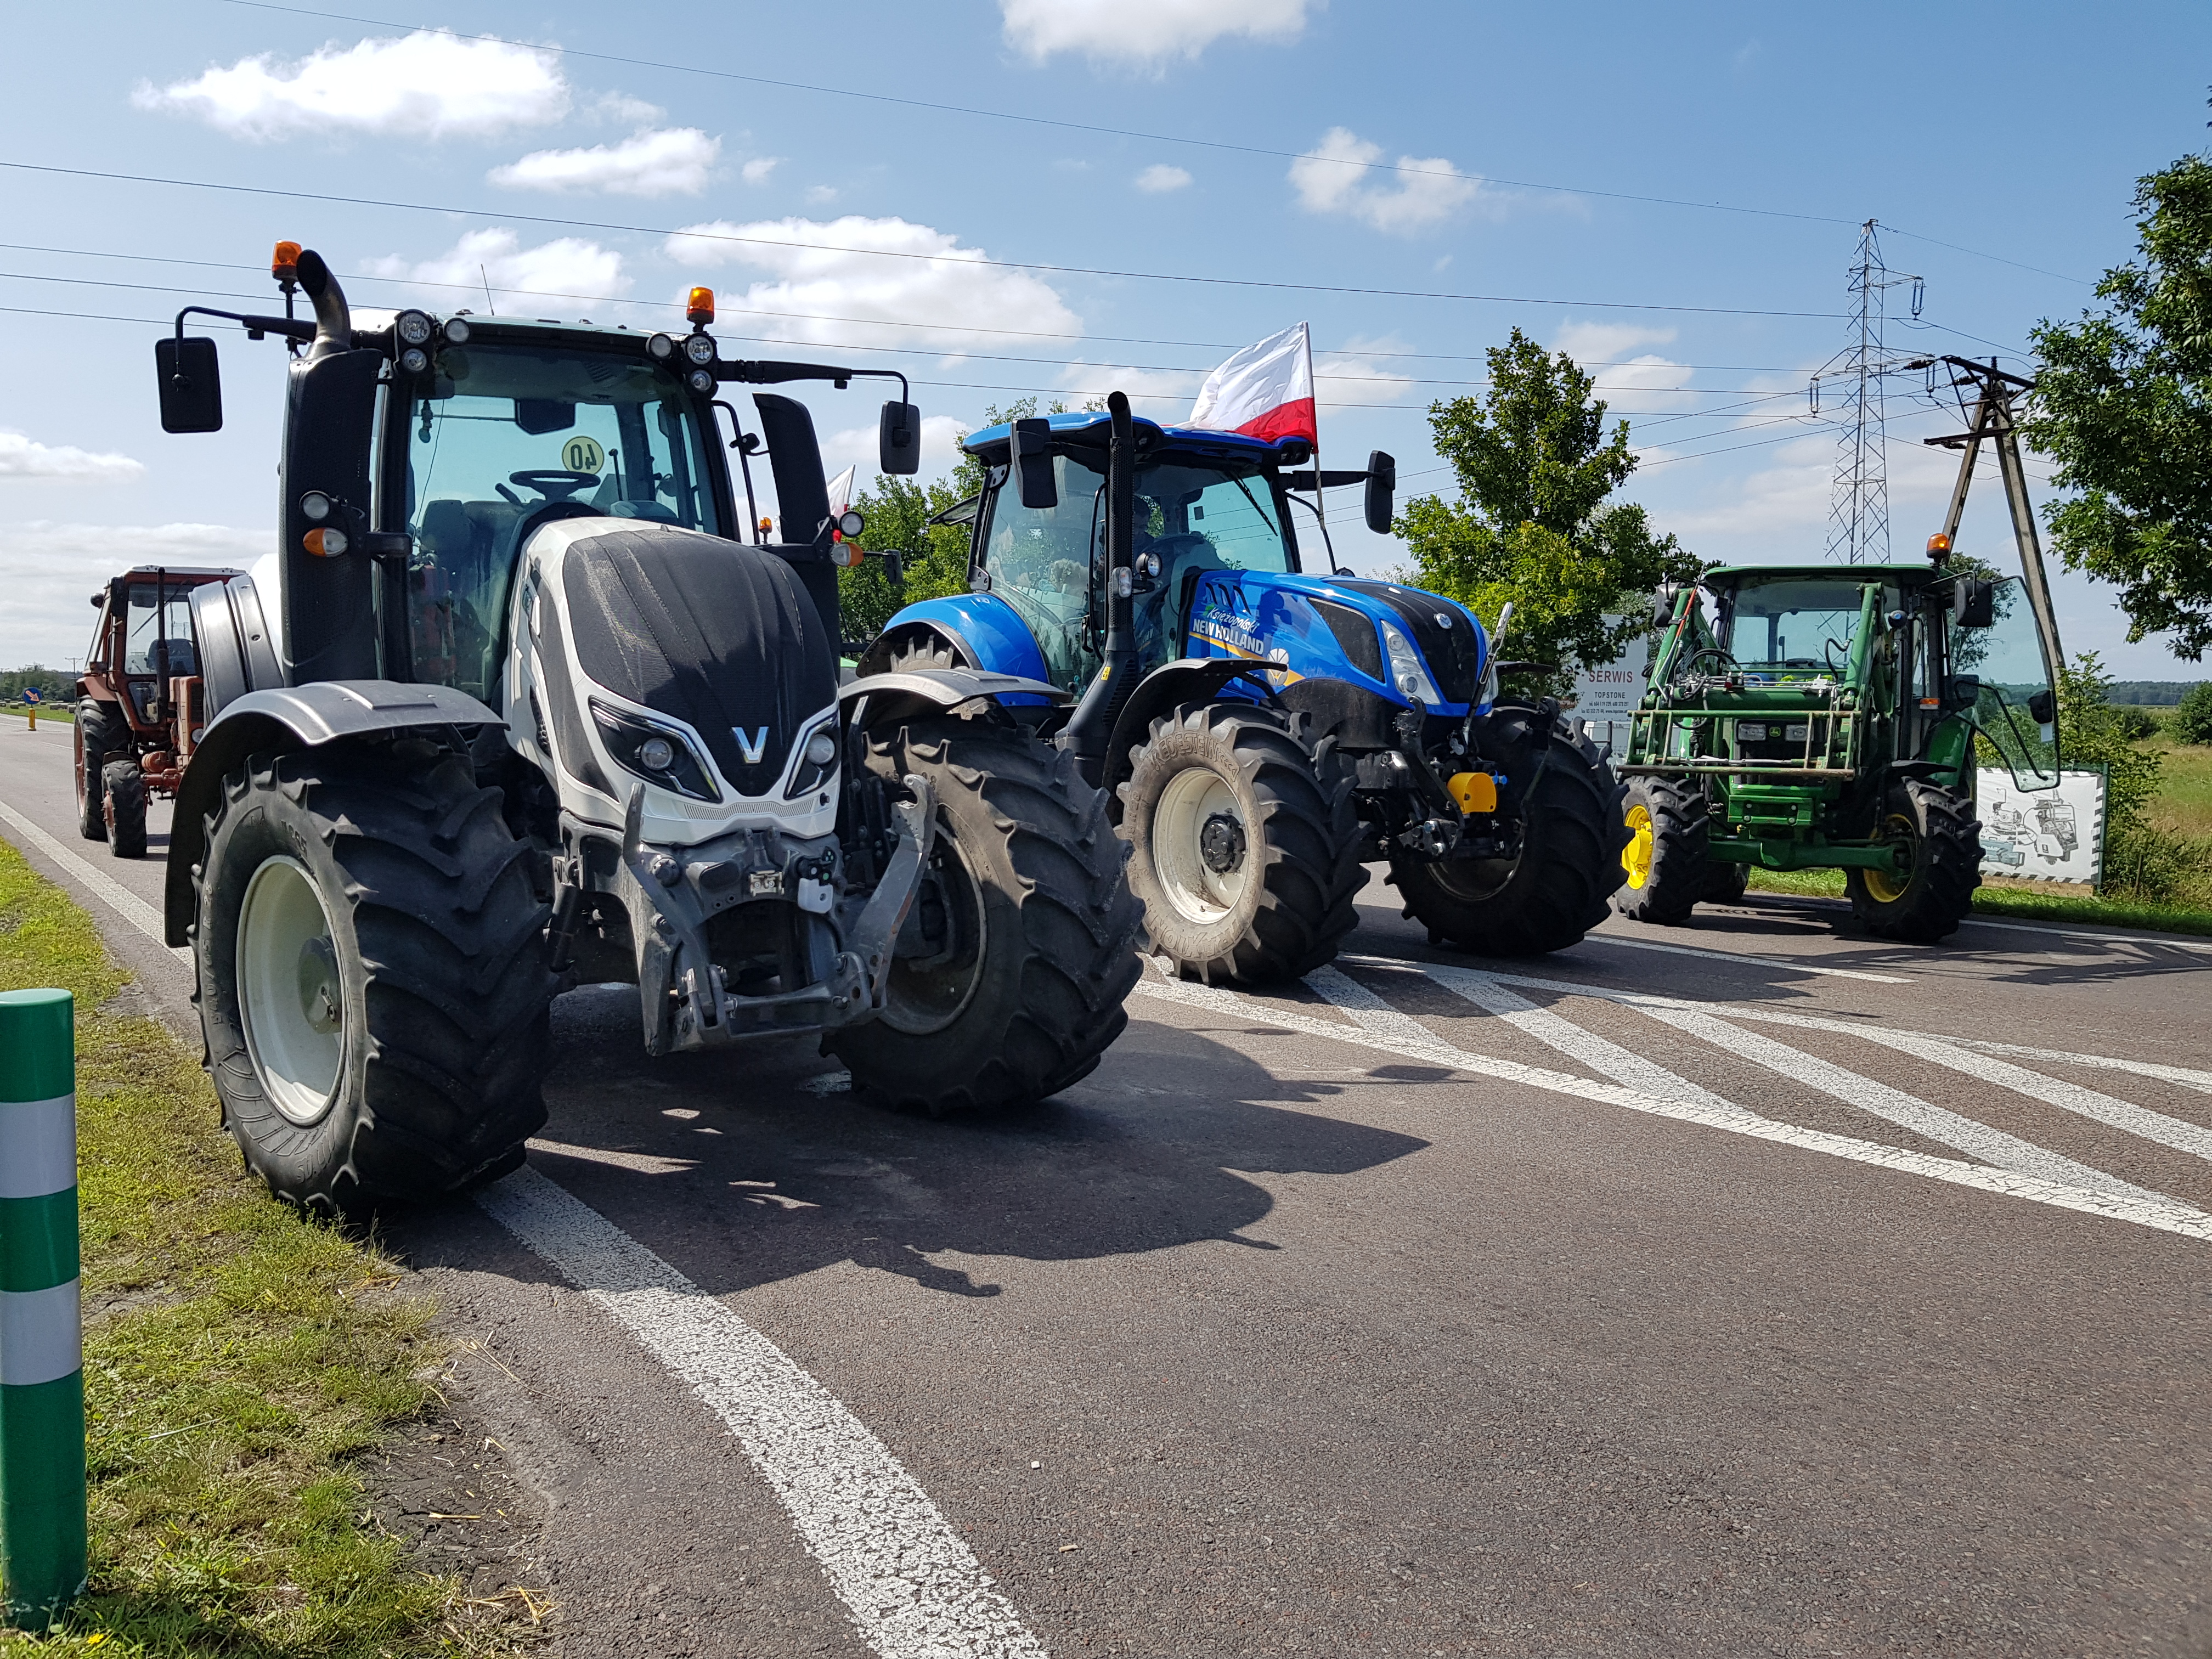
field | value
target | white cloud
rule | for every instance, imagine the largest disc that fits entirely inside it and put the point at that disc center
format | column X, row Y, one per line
column 1651, row 382
column 47, row 570
column 1144, row 32
column 424, row 85
column 944, row 283
column 626, row 111
column 567, row 268
column 756, row 172
column 668, row 162
column 822, row 192
column 1160, row 178
column 1163, row 394
column 1338, row 176
column 1355, row 373
column 26, row 457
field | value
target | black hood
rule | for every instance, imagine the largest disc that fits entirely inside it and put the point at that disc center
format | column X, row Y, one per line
column 1454, row 659
column 715, row 633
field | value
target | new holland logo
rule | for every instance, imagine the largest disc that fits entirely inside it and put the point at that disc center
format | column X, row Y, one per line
column 752, row 746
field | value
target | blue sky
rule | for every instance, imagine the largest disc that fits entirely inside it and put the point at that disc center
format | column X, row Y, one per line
column 1516, row 143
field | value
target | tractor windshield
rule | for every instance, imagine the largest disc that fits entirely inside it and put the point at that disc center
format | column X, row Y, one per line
column 1049, row 563
column 2000, row 671
column 505, row 431
column 1787, row 628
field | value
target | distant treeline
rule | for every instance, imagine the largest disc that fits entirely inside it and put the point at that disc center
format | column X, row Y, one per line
column 55, row 684
column 2150, row 693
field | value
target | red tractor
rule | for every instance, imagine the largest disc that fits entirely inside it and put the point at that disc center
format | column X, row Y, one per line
column 139, row 708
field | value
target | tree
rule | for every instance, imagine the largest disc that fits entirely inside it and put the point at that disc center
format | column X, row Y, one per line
column 2125, row 400
column 1535, row 465
column 2192, row 721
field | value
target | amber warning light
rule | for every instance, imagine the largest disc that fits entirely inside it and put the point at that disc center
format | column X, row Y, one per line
column 284, row 263
column 699, row 309
column 1938, row 545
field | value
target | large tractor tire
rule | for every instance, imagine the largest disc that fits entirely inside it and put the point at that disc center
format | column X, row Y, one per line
column 370, row 982
column 122, row 808
column 1928, row 898
column 1553, row 889
column 1725, row 883
column 101, row 729
column 1009, row 976
column 1244, row 843
column 1664, row 863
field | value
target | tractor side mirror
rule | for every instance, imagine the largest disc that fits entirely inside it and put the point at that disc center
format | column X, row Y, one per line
column 1663, row 605
column 1973, row 602
column 1382, row 491
column 2042, row 707
column 539, row 416
column 191, row 384
column 898, row 440
column 1029, row 447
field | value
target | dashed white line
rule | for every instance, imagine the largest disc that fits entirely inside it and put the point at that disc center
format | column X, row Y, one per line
column 2161, row 1215
column 913, row 1589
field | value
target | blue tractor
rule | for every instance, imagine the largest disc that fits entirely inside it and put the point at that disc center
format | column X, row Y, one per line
column 1262, row 731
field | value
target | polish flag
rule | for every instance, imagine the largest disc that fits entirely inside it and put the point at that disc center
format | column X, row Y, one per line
column 1265, row 390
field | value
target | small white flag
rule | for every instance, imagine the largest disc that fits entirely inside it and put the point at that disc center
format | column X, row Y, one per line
column 1265, row 390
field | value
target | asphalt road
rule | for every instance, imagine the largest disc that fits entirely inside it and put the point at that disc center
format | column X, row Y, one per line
column 1635, row 1300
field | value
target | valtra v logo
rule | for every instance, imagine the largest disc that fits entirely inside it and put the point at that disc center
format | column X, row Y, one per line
column 752, row 747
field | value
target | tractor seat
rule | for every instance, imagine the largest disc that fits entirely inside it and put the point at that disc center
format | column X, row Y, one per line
column 183, row 660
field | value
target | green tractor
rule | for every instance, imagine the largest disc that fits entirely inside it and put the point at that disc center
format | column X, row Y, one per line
column 1800, row 717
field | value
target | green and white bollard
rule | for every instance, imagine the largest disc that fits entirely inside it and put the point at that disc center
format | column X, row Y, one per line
column 42, row 1524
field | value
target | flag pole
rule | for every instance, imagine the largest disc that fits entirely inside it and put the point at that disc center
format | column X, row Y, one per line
column 1320, row 496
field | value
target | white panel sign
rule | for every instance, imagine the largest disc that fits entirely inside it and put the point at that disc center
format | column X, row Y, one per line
column 2047, row 834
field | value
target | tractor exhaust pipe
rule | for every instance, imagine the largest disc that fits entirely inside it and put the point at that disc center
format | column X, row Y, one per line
column 333, row 318
column 1091, row 728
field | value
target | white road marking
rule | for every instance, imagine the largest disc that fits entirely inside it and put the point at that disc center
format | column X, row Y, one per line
column 911, row 1587
column 1794, row 964
column 2162, row 1214
column 104, row 887
column 914, row 1591
column 1947, row 1051
column 1794, row 903
column 636, row 1162
column 1605, row 1057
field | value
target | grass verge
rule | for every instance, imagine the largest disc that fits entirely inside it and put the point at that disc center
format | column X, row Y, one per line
column 236, row 1358
column 2018, row 904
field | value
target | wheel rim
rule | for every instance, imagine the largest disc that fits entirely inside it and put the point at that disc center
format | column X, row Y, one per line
column 291, row 996
column 1888, row 886
column 937, row 959
column 1636, row 857
column 1202, row 848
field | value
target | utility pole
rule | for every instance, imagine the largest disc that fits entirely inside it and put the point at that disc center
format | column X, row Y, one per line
column 1858, row 509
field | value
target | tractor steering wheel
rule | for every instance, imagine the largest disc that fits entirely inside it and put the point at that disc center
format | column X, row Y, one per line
column 554, row 483
column 1729, row 665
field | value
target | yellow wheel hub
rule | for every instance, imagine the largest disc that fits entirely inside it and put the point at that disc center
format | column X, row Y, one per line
column 1888, row 886
column 1636, row 857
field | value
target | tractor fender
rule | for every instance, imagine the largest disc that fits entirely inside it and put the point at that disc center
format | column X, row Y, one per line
column 292, row 717
column 1187, row 679
column 874, row 699
column 984, row 631
column 236, row 654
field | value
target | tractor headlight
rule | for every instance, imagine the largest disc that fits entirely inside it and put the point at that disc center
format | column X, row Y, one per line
column 660, row 347
column 817, row 762
column 457, row 331
column 699, row 347
column 415, row 328
column 1407, row 672
column 658, row 754
column 701, row 380
column 414, row 361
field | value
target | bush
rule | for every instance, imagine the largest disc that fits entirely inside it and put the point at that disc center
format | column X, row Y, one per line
column 2135, row 723
column 2192, row 721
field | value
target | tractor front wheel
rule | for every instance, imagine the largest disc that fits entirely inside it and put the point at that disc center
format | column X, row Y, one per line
column 1929, row 893
column 1553, row 889
column 370, row 983
column 1665, row 862
column 1245, row 842
column 122, row 808
column 1007, row 980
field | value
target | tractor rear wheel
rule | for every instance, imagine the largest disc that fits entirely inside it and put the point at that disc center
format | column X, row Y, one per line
column 100, row 730
column 1009, row 976
column 1725, row 883
column 1665, row 862
column 1930, row 893
column 1553, row 889
column 370, row 977
column 1245, row 842
column 123, row 787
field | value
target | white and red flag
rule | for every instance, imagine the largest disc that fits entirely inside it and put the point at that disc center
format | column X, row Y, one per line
column 1265, row 390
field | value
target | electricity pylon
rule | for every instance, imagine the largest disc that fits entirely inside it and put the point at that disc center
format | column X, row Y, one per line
column 1858, row 509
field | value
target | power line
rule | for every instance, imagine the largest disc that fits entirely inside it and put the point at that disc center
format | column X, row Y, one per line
column 1122, row 133
column 1269, row 284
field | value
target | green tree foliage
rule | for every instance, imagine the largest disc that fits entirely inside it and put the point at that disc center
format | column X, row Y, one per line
column 2092, row 729
column 2125, row 399
column 2192, row 721
column 56, row 685
column 1535, row 464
